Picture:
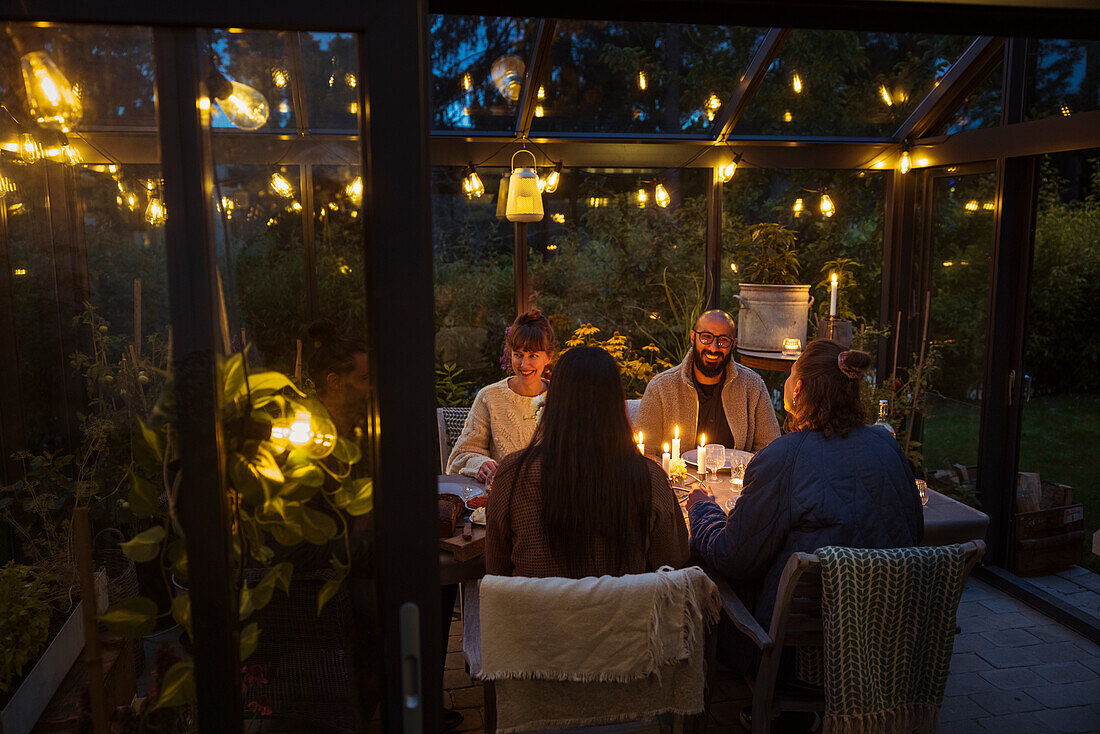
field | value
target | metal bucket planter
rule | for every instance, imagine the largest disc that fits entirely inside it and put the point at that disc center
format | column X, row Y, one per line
column 30, row 699
column 771, row 313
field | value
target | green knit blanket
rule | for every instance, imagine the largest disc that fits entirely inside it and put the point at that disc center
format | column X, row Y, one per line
column 889, row 623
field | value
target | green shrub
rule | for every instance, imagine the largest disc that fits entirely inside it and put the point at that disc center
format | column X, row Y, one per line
column 24, row 619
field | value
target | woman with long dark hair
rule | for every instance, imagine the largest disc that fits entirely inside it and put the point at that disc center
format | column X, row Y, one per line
column 831, row 480
column 580, row 500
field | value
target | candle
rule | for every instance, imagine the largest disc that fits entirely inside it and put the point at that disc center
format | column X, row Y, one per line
column 641, row 445
column 676, row 443
column 666, row 459
column 832, row 298
column 702, row 457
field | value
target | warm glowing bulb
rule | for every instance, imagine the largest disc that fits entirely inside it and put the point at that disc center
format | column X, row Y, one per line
column 885, row 94
column 295, row 206
column 50, row 96
column 713, row 102
column 989, row 206
column 354, row 190
column 353, row 108
column 833, row 278
column 797, row 208
column 279, row 77
column 131, row 201
column 641, row 80
column 643, row 197
column 204, row 103
column 725, row 173
column 467, row 82
column 1066, row 111
column 350, row 80
column 787, row 116
column 733, row 267
column 796, row 84
column 30, row 150
column 542, row 92
column 154, row 213
column 972, row 205
column 472, row 185
column 7, row 186
column 245, row 107
column 280, row 185
column 660, row 195
column 539, row 111
column 904, row 165
column 552, row 180
column 827, row 207
column 558, row 217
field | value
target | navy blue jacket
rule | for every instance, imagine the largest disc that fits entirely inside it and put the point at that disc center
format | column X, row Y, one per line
column 802, row 492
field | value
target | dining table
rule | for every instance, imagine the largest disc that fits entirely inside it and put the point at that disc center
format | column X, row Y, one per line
column 946, row 520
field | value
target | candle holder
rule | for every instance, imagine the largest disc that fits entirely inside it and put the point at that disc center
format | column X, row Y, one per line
column 836, row 329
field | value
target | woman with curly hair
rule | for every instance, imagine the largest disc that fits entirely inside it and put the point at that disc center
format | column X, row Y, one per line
column 831, row 480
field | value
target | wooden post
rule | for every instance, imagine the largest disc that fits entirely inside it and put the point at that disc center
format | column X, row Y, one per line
column 82, row 542
column 298, row 364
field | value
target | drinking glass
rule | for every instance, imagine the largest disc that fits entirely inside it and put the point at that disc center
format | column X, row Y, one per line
column 716, row 458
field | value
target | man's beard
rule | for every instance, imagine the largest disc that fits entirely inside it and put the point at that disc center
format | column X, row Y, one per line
column 710, row 370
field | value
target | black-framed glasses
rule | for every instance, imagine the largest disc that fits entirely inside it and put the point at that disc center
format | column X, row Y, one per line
column 706, row 339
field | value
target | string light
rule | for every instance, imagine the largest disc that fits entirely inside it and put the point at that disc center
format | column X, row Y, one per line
column 279, row 77
column 280, row 185
column 558, row 217
column 354, row 190
column 797, row 208
column 661, row 196
column 30, row 150
column 885, row 94
column 989, row 206
column 725, row 173
column 154, row 213
column 539, row 111
column 643, row 197
column 245, row 107
column 796, row 84
column 350, row 80
column 787, row 116
column 553, row 179
column 826, row 204
column 972, row 205
column 471, row 183
column 467, row 82
column 50, row 96
column 904, row 165
column 641, row 80
column 542, row 92
column 1065, row 110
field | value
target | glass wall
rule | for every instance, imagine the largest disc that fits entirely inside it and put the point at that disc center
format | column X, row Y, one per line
column 960, row 241
column 1061, row 412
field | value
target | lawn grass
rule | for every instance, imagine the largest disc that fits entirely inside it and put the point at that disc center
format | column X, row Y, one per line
column 1060, row 438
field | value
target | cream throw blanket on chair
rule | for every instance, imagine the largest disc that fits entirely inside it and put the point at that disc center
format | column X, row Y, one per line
column 592, row 651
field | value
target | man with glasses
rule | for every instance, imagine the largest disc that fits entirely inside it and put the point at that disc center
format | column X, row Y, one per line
column 709, row 393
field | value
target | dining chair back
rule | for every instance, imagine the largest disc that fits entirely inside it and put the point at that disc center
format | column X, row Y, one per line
column 797, row 622
column 449, row 423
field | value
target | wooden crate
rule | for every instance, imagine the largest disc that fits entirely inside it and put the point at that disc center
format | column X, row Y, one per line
column 1047, row 540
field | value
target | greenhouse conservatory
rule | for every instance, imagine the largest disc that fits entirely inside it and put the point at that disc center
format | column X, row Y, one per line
column 275, row 276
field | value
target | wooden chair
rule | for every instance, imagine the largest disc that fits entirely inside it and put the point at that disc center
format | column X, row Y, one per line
column 796, row 622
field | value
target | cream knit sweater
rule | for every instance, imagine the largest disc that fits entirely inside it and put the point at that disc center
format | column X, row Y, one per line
column 499, row 423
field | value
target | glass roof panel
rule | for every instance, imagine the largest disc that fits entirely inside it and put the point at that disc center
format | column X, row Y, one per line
column 332, row 91
column 1062, row 82
column 980, row 109
column 109, row 67
column 478, row 68
column 259, row 60
column 641, row 77
column 848, row 84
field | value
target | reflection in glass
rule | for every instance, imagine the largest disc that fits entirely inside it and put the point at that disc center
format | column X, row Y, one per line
column 641, row 77
column 255, row 64
column 962, row 233
column 846, row 83
column 1061, row 410
column 1065, row 78
column 338, row 232
column 478, row 68
column 980, row 109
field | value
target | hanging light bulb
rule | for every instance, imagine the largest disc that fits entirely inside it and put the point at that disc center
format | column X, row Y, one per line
column 796, row 84
column 7, row 186
column 245, row 107
column 542, row 92
column 507, row 75
column 713, row 102
column 354, row 190
column 797, row 208
column 661, row 196
column 30, row 150
column 885, row 94
column 279, row 77
column 50, row 96
column 787, row 116
column 471, row 183
column 131, row 201
column 280, row 185
column 539, row 111
column 315, row 434
column 725, row 173
column 826, row 204
column 641, row 80
column 643, row 197
column 154, row 213
column 553, row 179
column 904, row 165
column 542, row 185
column 972, row 205
column 524, row 198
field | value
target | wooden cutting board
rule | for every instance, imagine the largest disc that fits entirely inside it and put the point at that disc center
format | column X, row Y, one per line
column 464, row 550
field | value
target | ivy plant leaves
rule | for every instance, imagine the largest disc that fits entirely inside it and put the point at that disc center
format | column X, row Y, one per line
column 355, row 497
column 145, row 546
column 181, row 612
column 177, row 686
column 131, row 617
column 277, row 577
column 250, row 638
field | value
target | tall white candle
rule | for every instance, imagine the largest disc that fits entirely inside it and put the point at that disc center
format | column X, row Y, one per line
column 676, row 443
column 666, row 459
column 832, row 298
column 701, row 459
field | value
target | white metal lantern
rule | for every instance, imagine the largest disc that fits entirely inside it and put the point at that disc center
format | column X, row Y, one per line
column 524, row 198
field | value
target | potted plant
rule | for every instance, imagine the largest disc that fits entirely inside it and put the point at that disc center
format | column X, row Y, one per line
column 774, row 305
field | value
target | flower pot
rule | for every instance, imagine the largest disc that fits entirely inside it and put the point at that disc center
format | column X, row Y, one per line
column 771, row 313
column 32, row 696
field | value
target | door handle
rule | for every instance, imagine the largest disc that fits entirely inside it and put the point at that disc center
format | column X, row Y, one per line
column 411, row 693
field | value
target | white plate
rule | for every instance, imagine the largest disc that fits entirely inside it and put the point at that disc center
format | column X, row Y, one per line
column 691, row 455
column 462, row 490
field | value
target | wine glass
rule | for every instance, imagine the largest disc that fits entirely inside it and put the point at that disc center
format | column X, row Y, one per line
column 716, row 458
